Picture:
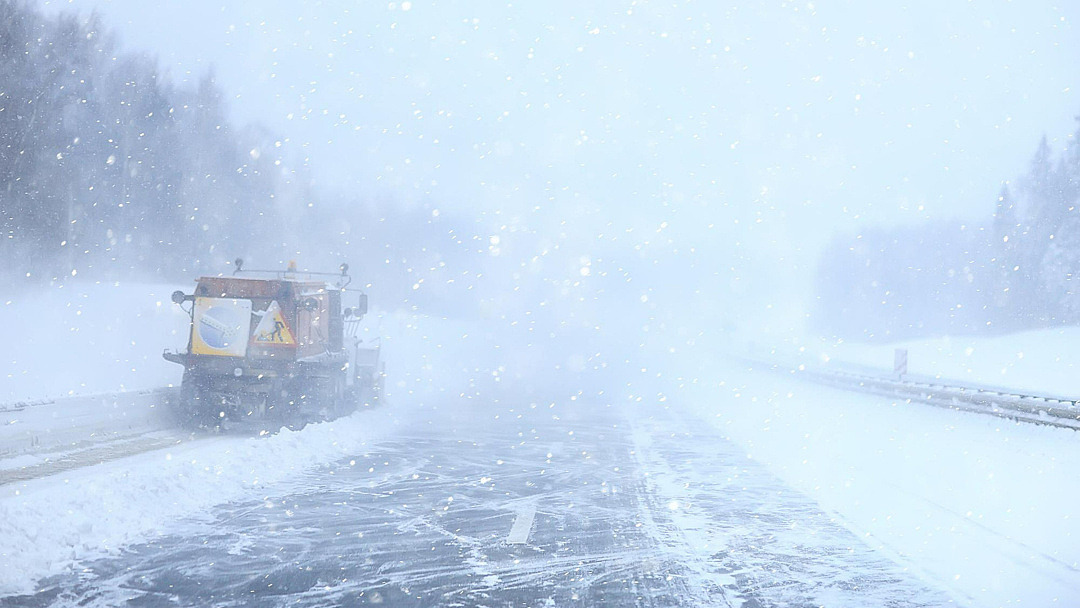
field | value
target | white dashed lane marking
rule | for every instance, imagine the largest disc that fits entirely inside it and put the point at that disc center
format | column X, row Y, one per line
column 519, row 532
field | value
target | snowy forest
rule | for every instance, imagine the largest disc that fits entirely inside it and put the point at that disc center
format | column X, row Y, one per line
column 111, row 170
column 1018, row 270
column 108, row 167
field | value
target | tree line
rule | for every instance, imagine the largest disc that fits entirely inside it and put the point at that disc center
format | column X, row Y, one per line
column 1019, row 269
column 109, row 168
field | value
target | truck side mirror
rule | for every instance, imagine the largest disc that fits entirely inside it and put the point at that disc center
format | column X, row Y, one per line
column 178, row 297
column 361, row 306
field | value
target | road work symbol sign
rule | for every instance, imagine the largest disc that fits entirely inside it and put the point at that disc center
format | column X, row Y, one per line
column 272, row 328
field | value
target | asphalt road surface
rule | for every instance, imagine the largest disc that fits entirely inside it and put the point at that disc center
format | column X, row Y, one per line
column 603, row 505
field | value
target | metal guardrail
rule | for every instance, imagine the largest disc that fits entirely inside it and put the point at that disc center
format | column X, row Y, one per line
column 1024, row 406
column 18, row 406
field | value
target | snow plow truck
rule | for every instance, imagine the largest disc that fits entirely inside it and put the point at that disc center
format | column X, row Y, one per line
column 268, row 349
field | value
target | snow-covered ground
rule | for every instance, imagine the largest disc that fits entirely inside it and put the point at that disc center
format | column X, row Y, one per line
column 1046, row 360
column 85, row 338
column 984, row 507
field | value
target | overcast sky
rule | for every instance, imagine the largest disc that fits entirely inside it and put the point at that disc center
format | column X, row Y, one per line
column 763, row 126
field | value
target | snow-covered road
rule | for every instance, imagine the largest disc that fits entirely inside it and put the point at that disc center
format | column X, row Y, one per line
column 622, row 506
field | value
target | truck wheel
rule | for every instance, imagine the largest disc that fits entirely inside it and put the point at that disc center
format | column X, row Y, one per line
column 192, row 410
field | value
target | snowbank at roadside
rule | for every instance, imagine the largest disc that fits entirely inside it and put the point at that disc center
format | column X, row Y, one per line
column 48, row 525
column 982, row 506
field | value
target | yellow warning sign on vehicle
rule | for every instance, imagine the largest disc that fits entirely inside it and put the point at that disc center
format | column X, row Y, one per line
column 272, row 328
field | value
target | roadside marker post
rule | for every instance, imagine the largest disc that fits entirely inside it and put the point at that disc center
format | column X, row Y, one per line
column 900, row 363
